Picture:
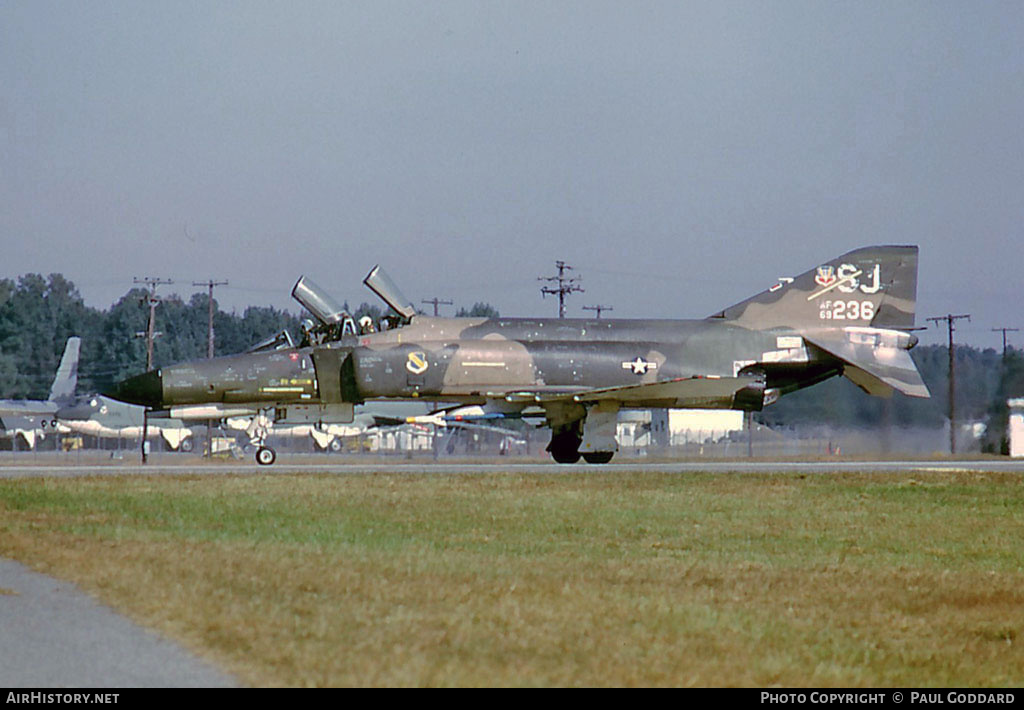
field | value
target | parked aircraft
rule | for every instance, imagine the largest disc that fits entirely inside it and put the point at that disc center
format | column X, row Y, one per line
column 100, row 416
column 848, row 316
column 32, row 417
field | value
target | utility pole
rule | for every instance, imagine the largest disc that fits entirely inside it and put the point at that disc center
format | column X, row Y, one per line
column 154, row 301
column 436, row 302
column 150, row 333
column 950, row 319
column 209, row 353
column 565, row 286
column 598, row 309
column 209, row 331
column 1004, row 332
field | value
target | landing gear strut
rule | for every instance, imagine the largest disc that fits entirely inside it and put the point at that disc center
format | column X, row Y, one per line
column 258, row 432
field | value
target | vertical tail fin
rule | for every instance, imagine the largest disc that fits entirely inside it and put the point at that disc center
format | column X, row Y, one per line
column 64, row 384
column 872, row 286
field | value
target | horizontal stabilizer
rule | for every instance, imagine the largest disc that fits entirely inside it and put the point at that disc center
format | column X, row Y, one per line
column 878, row 361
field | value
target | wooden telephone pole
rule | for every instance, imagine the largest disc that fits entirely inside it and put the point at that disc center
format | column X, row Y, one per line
column 209, row 353
column 435, row 301
column 209, row 331
column 565, row 286
column 598, row 308
column 154, row 301
column 950, row 319
column 150, row 334
column 1004, row 332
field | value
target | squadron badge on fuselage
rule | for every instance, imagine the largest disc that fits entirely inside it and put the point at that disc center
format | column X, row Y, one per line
column 417, row 362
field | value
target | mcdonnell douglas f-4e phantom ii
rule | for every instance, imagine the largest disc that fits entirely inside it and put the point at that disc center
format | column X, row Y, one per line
column 849, row 316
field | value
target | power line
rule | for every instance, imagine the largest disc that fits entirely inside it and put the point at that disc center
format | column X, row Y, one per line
column 565, row 286
column 950, row 319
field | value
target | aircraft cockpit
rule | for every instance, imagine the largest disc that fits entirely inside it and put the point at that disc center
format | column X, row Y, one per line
column 335, row 323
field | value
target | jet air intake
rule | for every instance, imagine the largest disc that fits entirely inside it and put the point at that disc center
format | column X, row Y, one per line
column 317, row 302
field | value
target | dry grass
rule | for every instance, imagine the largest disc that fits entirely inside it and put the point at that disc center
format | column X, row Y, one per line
column 607, row 579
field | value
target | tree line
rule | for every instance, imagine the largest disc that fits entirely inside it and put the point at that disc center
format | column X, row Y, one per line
column 37, row 315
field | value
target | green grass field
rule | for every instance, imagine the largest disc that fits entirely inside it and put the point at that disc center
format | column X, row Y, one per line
column 523, row 580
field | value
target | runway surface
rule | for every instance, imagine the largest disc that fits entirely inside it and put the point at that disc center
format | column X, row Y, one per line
column 60, row 465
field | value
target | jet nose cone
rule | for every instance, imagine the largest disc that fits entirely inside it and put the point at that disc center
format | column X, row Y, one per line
column 146, row 389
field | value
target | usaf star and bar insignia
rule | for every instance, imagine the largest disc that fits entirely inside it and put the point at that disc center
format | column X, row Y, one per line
column 639, row 366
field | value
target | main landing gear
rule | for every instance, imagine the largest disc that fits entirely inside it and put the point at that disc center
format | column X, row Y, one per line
column 565, row 448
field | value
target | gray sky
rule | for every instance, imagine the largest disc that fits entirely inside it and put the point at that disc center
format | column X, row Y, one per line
column 681, row 155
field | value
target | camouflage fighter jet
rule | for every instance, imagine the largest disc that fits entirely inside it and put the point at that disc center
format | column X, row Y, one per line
column 849, row 316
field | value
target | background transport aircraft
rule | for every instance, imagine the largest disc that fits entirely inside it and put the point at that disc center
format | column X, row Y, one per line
column 99, row 416
column 849, row 316
column 32, row 418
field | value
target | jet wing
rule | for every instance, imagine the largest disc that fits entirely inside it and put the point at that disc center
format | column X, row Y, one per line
column 19, row 422
column 685, row 392
column 876, row 361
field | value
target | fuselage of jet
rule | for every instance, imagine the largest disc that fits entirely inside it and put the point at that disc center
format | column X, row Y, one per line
column 848, row 316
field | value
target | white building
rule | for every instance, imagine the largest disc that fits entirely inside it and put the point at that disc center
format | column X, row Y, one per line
column 1015, row 427
column 676, row 427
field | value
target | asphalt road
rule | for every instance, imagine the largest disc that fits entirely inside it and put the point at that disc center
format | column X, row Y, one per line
column 56, row 636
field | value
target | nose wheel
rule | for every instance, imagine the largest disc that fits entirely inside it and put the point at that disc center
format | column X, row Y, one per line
column 259, row 429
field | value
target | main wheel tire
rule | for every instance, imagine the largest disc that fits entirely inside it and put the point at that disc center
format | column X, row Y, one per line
column 565, row 447
column 265, row 456
column 598, row 456
column 565, row 456
column 186, row 444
